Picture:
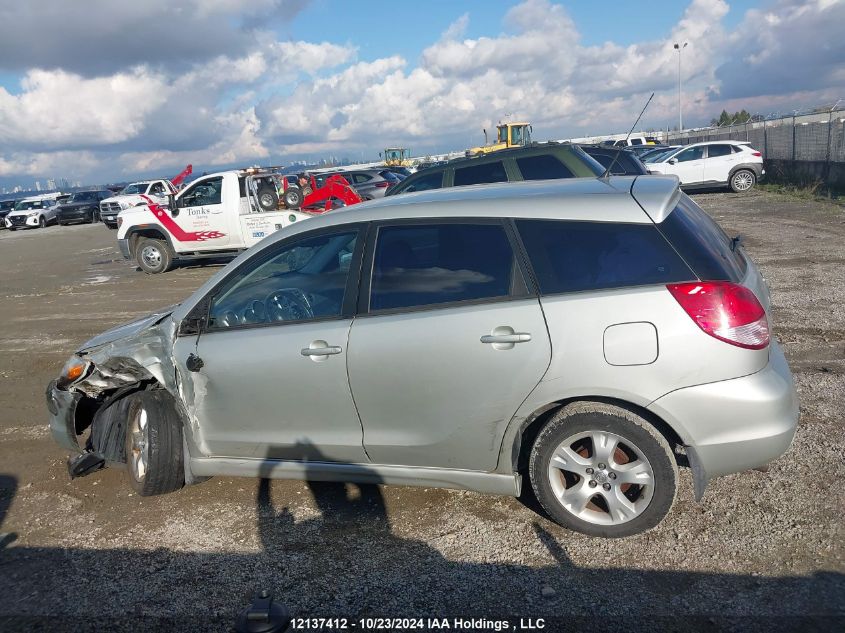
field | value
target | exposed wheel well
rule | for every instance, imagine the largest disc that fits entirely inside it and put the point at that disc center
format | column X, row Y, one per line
column 537, row 420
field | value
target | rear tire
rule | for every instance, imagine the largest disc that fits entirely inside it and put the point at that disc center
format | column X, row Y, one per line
column 602, row 470
column 153, row 256
column 154, row 458
column 743, row 180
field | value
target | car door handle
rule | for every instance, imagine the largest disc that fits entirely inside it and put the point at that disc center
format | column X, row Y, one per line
column 516, row 337
column 320, row 351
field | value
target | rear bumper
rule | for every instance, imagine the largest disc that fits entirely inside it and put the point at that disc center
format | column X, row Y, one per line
column 62, row 408
column 734, row 425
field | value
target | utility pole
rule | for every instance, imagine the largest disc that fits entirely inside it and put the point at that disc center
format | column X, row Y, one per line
column 679, row 48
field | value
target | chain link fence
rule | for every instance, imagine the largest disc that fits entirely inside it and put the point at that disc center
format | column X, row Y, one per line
column 799, row 147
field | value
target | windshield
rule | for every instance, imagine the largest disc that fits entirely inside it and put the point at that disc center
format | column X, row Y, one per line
column 83, row 196
column 659, row 156
column 135, row 187
column 23, row 205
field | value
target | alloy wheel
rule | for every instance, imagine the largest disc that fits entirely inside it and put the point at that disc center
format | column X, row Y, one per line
column 601, row 477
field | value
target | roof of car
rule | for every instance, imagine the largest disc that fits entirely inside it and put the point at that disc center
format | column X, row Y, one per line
column 589, row 199
column 717, row 143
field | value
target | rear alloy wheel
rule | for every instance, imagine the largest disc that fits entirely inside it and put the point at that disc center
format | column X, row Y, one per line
column 603, row 470
column 154, row 458
column 153, row 256
column 743, row 180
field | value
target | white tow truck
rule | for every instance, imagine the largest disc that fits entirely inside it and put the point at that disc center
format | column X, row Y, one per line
column 218, row 214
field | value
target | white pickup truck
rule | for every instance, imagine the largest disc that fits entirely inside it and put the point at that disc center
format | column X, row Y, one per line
column 217, row 214
column 131, row 196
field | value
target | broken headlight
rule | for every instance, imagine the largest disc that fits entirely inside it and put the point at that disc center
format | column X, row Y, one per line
column 74, row 369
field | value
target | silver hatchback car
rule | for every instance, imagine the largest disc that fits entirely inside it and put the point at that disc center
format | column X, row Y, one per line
column 591, row 335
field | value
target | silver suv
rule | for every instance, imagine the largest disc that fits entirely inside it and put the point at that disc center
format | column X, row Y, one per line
column 590, row 335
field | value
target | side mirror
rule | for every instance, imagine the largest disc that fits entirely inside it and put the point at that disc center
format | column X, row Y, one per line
column 673, row 161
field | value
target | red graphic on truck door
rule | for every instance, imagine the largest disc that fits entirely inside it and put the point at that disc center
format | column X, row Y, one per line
column 175, row 230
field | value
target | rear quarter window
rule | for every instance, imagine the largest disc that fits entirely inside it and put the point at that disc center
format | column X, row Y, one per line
column 576, row 256
column 702, row 243
column 483, row 173
column 542, row 167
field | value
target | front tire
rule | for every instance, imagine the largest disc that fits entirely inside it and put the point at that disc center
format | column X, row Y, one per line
column 153, row 256
column 42, row 223
column 602, row 470
column 743, row 180
column 154, row 458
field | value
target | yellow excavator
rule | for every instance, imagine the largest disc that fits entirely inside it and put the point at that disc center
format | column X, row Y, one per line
column 509, row 135
column 397, row 157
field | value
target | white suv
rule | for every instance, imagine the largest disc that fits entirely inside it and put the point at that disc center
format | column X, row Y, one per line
column 717, row 163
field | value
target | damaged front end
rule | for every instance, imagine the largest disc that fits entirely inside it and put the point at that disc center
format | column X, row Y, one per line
column 91, row 391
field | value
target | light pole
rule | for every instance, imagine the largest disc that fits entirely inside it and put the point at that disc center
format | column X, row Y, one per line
column 679, row 48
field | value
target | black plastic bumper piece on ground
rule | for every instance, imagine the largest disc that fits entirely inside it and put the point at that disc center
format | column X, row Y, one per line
column 84, row 464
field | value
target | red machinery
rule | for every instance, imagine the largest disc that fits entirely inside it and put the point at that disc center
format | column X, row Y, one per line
column 182, row 175
column 336, row 187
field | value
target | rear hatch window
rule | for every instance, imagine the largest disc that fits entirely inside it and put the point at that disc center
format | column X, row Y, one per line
column 702, row 243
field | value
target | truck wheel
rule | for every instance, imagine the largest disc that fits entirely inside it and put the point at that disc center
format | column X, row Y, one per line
column 153, row 256
column 603, row 470
column 293, row 198
column 267, row 199
column 153, row 443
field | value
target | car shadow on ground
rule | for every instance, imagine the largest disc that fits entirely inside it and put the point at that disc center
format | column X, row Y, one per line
column 349, row 561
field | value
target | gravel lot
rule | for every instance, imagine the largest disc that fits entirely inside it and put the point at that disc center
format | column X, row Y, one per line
column 762, row 550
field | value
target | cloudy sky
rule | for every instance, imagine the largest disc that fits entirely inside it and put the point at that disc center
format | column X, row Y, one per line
column 104, row 90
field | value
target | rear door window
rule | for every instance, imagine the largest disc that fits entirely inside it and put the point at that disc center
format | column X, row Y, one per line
column 576, row 256
column 432, row 264
column 483, row 173
column 542, row 167
column 714, row 151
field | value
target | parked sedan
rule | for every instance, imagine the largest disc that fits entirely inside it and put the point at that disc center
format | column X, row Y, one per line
column 82, row 206
column 574, row 335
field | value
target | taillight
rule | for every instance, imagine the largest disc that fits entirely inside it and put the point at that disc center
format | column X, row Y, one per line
column 725, row 311
column 756, row 154
column 382, row 184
